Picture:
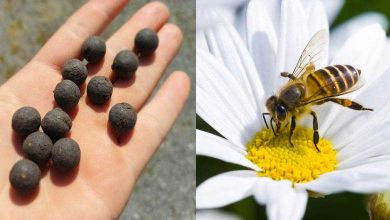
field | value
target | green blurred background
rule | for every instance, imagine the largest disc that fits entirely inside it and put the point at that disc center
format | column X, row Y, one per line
column 343, row 206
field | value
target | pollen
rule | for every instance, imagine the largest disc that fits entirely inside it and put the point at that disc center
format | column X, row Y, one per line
column 299, row 163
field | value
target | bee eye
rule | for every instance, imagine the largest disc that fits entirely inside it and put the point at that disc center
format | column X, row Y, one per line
column 271, row 102
column 281, row 112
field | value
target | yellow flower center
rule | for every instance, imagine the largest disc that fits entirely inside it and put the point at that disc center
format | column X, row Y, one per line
column 299, row 163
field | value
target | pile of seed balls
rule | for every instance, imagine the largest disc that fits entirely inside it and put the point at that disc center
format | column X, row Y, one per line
column 64, row 154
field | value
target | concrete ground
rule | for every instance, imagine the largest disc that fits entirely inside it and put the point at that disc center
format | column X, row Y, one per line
column 166, row 188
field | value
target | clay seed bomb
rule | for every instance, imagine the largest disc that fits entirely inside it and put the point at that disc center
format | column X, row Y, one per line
column 67, row 94
column 24, row 176
column 26, row 120
column 56, row 123
column 99, row 90
column 37, row 147
column 65, row 155
column 146, row 42
column 122, row 118
column 125, row 64
column 75, row 70
column 93, row 49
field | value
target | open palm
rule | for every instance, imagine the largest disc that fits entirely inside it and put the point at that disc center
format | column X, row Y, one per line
column 109, row 167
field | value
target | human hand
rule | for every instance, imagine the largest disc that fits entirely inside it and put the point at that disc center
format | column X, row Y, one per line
column 108, row 169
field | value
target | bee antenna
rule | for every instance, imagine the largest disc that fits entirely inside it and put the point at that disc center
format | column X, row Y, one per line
column 265, row 121
column 289, row 75
column 284, row 74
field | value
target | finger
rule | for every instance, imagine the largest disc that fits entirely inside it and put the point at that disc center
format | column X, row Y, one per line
column 137, row 90
column 89, row 20
column 155, row 120
column 153, row 15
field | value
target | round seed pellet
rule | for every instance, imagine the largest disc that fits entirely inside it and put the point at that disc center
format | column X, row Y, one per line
column 24, row 176
column 75, row 70
column 146, row 41
column 125, row 64
column 26, row 120
column 56, row 123
column 37, row 147
column 122, row 118
column 99, row 90
column 65, row 154
column 93, row 49
column 67, row 94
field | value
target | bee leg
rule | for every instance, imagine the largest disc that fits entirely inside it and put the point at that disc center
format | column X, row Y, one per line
column 265, row 121
column 272, row 126
column 350, row 104
column 292, row 128
column 316, row 136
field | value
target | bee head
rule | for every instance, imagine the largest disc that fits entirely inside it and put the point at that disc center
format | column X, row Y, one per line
column 277, row 110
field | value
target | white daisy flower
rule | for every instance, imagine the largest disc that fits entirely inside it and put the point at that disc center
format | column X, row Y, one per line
column 234, row 79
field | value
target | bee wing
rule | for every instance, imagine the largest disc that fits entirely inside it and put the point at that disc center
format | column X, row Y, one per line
column 317, row 97
column 312, row 54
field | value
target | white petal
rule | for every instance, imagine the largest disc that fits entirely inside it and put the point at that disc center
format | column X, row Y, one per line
column 293, row 37
column 227, row 46
column 368, row 178
column 262, row 39
column 283, row 202
column 216, row 215
column 225, row 188
column 375, row 144
column 342, row 32
column 266, row 10
column 317, row 19
column 219, row 148
column 370, row 154
column 226, row 8
column 221, row 101
column 384, row 60
column 201, row 42
column 332, row 8
column 362, row 51
column 240, row 20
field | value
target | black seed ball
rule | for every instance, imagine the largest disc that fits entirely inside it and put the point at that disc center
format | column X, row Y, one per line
column 99, row 90
column 26, row 120
column 125, row 64
column 93, row 49
column 146, row 41
column 37, row 147
column 67, row 94
column 122, row 118
column 24, row 176
column 75, row 70
column 56, row 123
column 65, row 154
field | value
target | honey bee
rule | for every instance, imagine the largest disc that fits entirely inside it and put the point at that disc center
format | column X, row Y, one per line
column 308, row 86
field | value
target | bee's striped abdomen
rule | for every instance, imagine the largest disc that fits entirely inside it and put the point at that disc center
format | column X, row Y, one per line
column 333, row 80
column 350, row 74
